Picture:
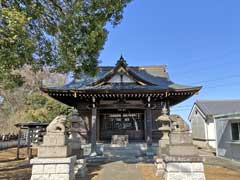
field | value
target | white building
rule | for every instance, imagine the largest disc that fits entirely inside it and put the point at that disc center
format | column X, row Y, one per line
column 216, row 124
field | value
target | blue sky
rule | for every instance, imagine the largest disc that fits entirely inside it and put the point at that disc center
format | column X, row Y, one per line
column 199, row 41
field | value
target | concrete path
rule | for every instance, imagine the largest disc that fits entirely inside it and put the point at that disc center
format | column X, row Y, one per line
column 226, row 163
column 211, row 159
column 120, row 171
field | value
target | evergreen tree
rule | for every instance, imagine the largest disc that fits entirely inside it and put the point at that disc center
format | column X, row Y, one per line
column 65, row 35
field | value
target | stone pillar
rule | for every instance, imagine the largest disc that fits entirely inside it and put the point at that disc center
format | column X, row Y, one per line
column 94, row 132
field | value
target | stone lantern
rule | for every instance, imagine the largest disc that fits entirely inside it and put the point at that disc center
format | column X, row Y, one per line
column 75, row 139
column 165, row 128
column 164, row 122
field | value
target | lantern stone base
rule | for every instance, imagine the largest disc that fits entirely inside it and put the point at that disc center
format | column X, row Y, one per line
column 53, row 168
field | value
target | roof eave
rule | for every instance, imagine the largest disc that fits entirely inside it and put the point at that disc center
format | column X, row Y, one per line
column 46, row 90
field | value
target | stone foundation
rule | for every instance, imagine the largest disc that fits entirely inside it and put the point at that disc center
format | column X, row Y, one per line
column 183, row 168
column 184, row 171
column 53, row 168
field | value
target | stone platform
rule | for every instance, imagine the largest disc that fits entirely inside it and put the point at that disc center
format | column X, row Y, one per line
column 53, row 168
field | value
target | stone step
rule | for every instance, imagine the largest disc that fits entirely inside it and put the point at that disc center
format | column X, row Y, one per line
column 134, row 150
column 122, row 149
column 123, row 152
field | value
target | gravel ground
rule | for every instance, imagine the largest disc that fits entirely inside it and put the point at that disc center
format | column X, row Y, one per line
column 11, row 169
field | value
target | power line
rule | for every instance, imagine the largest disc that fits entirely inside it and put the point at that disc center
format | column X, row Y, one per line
column 184, row 106
column 203, row 69
column 201, row 60
column 217, row 79
column 220, row 85
column 185, row 109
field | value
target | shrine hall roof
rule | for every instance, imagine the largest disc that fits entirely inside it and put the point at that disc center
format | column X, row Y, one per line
column 149, row 78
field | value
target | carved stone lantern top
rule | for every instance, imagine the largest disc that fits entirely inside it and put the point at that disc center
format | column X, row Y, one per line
column 164, row 116
column 75, row 116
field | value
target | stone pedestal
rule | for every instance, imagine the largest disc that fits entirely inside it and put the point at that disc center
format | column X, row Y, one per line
column 54, row 146
column 53, row 168
column 55, row 160
column 182, row 161
column 183, row 168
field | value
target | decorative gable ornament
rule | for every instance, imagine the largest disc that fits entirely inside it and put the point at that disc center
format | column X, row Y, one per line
column 121, row 74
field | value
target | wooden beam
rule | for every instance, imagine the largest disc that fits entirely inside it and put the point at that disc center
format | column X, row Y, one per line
column 18, row 143
column 93, row 132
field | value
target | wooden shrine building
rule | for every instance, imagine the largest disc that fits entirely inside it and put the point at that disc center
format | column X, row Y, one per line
column 122, row 100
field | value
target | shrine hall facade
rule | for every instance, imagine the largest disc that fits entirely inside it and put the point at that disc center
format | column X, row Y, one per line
column 122, row 100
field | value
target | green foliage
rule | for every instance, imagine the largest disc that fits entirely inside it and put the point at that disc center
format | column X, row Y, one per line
column 15, row 47
column 27, row 103
column 42, row 108
column 64, row 35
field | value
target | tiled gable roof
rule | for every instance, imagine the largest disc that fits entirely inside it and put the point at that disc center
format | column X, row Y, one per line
column 217, row 107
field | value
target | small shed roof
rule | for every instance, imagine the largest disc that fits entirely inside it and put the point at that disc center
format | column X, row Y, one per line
column 218, row 107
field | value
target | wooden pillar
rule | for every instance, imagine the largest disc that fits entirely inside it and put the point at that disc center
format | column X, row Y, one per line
column 145, row 125
column 149, row 125
column 149, row 122
column 28, row 144
column 19, row 143
column 167, row 106
column 94, row 130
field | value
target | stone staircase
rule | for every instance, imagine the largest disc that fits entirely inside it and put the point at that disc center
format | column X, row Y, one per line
column 133, row 152
column 130, row 151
